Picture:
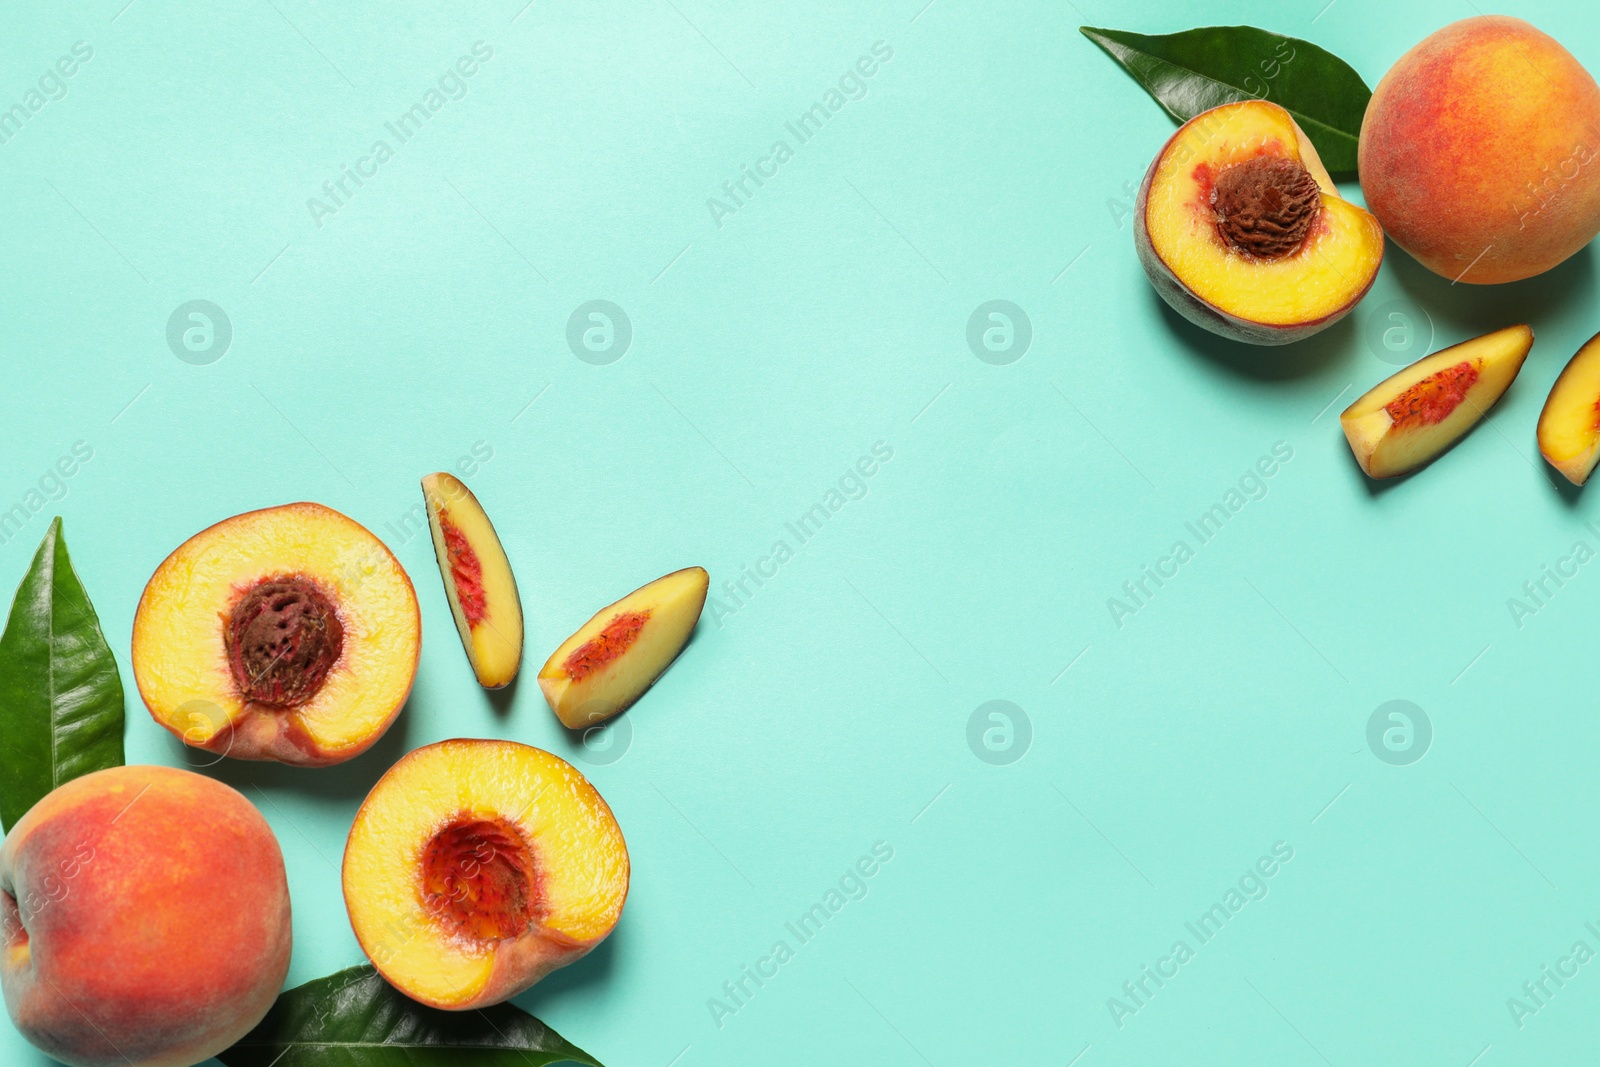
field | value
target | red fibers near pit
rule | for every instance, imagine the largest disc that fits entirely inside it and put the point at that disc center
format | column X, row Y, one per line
column 478, row 877
column 466, row 570
column 1431, row 400
column 605, row 646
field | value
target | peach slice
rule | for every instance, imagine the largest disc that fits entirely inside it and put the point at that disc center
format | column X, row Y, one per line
column 602, row 669
column 287, row 634
column 477, row 580
column 1569, row 425
column 1409, row 418
column 146, row 919
column 1242, row 231
column 475, row 868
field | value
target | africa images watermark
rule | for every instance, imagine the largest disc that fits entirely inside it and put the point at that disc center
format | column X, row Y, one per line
column 51, row 485
column 852, row 485
column 1139, row 591
column 1538, row 591
column 753, row 977
column 1537, row 992
column 450, row 85
column 50, row 87
column 1251, row 886
column 851, row 85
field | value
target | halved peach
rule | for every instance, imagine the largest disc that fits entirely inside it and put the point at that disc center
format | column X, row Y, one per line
column 478, row 581
column 1242, row 231
column 1409, row 418
column 288, row 634
column 475, row 868
column 602, row 669
column 1569, row 425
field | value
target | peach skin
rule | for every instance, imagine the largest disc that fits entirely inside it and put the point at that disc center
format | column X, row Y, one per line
column 146, row 919
column 1478, row 152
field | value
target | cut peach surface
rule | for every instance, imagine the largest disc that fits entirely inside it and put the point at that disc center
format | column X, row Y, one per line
column 289, row 634
column 1242, row 231
column 617, row 655
column 478, row 581
column 1569, row 425
column 146, row 915
column 474, row 868
column 1409, row 418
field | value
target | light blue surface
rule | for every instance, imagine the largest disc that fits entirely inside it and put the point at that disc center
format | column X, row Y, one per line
column 992, row 157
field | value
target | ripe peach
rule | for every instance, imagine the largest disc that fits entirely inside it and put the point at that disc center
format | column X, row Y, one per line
column 146, row 919
column 475, row 868
column 1242, row 231
column 288, row 634
column 1478, row 148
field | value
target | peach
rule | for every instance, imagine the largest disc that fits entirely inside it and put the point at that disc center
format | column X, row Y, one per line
column 475, row 868
column 1242, row 231
column 1477, row 148
column 146, row 919
column 1411, row 417
column 1569, row 425
column 288, row 634
column 478, row 581
column 618, row 654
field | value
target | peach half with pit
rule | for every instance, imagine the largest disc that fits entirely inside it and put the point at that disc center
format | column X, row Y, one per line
column 1411, row 417
column 618, row 654
column 1242, row 231
column 478, row 581
column 1569, row 425
column 475, row 868
column 1478, row 152
column 146, row 919
column 288, row 634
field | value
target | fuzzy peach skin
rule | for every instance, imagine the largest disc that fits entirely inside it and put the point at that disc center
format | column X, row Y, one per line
column 146, row 919
column 1480, row 152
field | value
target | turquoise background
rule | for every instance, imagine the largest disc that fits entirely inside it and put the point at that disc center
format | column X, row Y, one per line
column 993, row 157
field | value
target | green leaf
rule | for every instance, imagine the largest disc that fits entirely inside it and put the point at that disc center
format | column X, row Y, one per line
column 1197, row 70
column 60, row 694
column 356, row 1019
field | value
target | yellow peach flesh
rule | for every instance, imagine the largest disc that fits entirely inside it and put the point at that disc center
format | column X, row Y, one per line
column 1330, row 271
column 1569, row 425
column 1412, row 416
column 180, row 658
column 571, row 842
column 493, row 636
column 586, row 684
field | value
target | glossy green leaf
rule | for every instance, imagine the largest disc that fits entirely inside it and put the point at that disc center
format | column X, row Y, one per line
column 1200, row 69
column 356, row 1019
column 60, row 694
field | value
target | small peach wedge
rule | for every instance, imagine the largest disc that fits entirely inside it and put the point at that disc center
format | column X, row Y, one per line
column 475, row 868
column 1411, row 417
column 602, row 669
column 1569, row 425
column 478, row 581
column 288, row 634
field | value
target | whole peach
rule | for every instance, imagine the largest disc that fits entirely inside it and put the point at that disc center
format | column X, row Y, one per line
column 146, row 919
column 1480, row 152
